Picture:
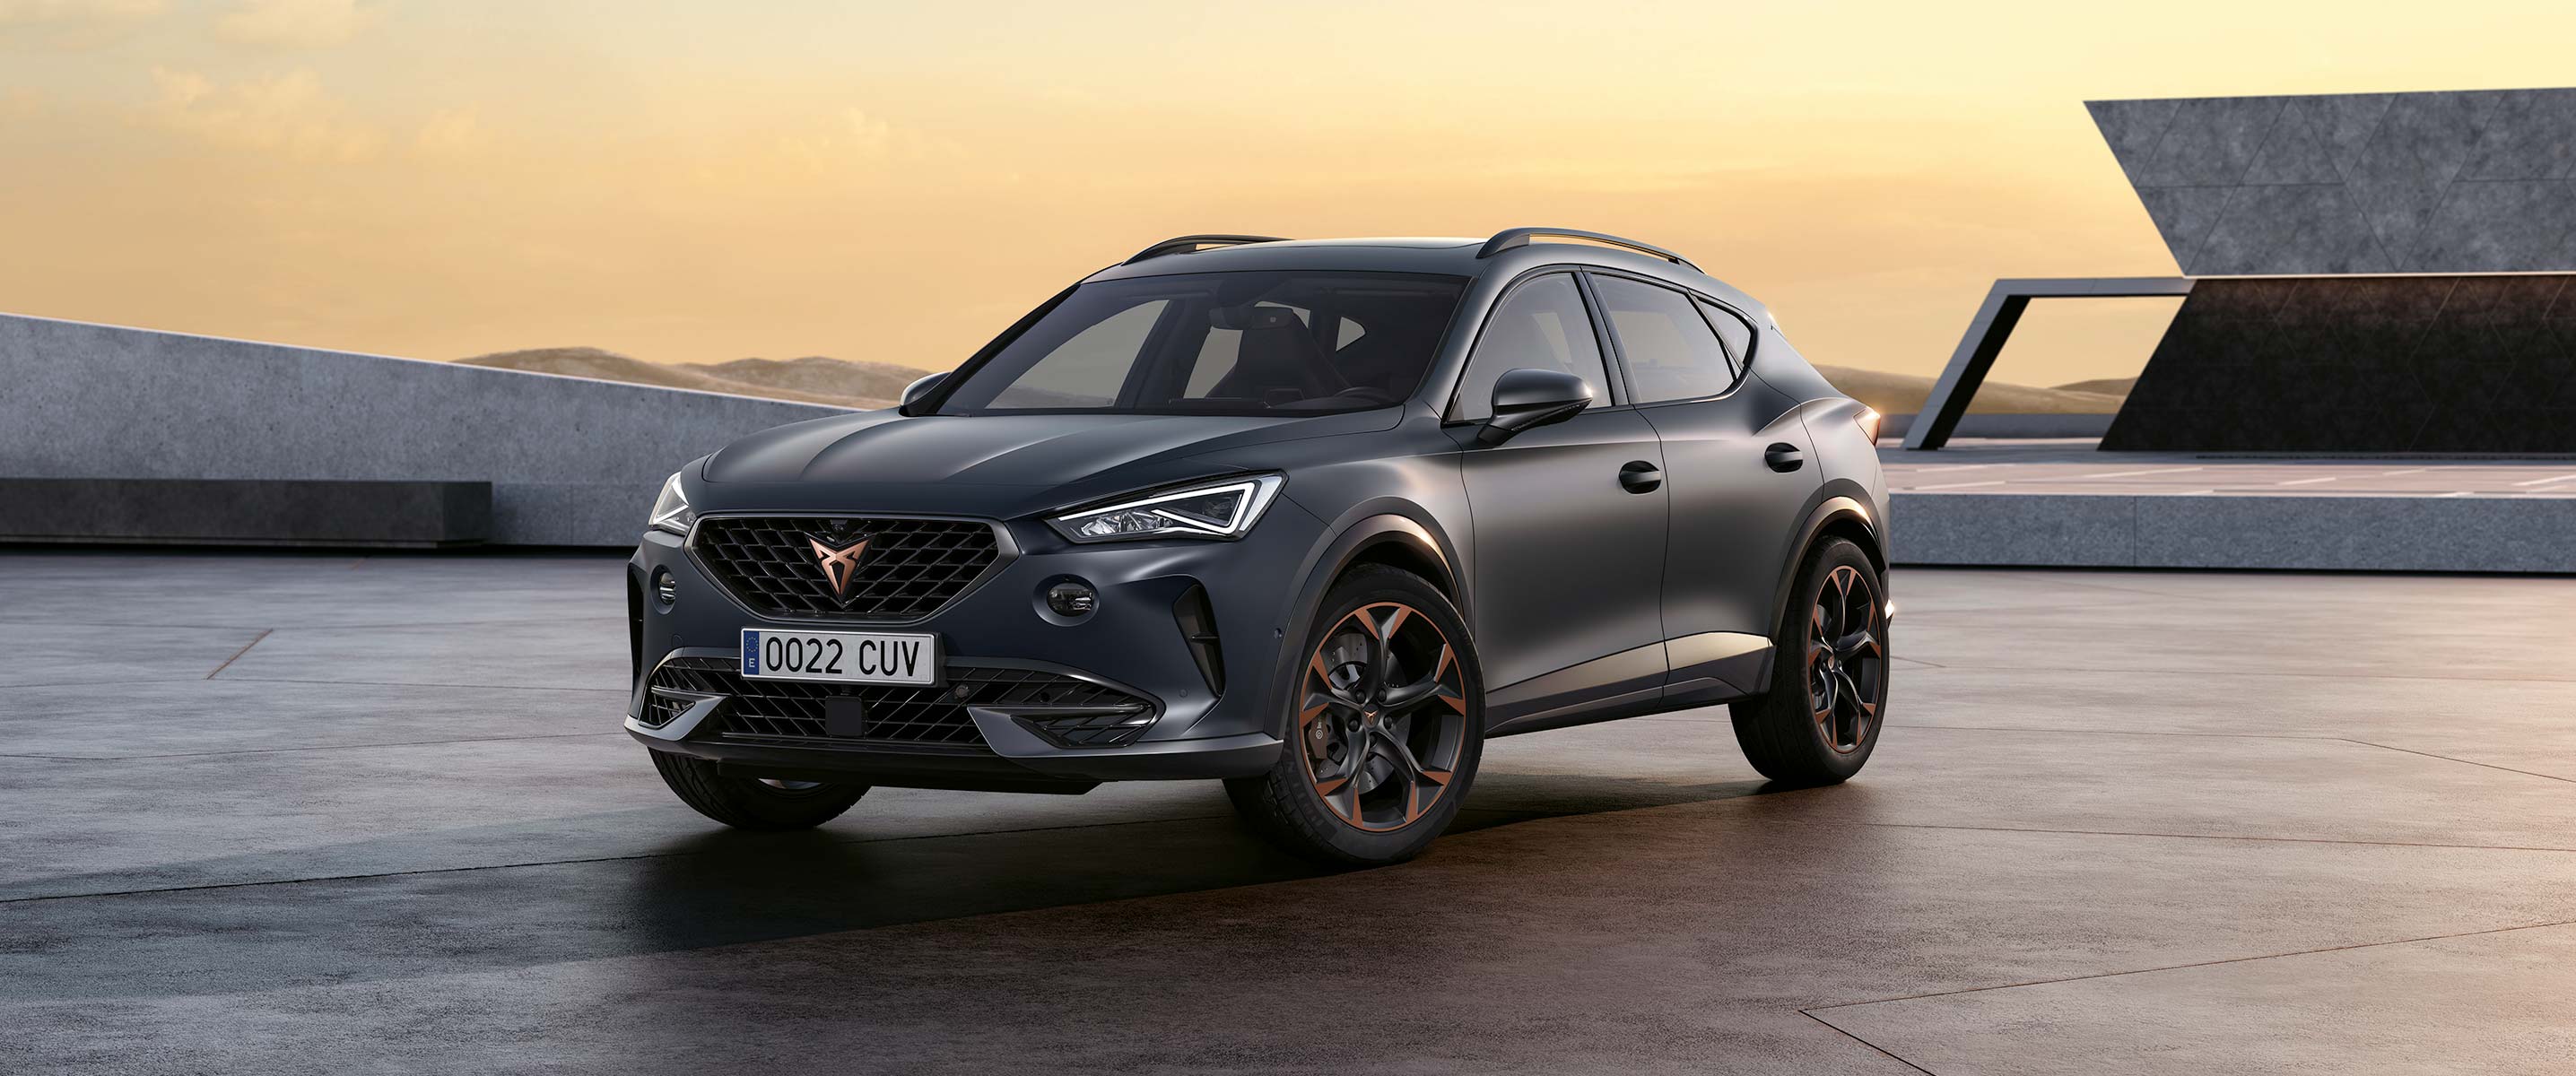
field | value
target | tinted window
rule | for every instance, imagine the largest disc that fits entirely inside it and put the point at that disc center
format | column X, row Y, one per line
column 1228, row 343
column 1731, row 329
column 1668, row 350
column 1541, row 325
column 1087, row 370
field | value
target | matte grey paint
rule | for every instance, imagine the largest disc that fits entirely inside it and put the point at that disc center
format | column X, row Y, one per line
column 1567, row 575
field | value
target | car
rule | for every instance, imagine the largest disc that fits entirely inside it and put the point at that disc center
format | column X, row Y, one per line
column 1313, row 518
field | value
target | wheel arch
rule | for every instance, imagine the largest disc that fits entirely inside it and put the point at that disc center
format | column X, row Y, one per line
column 1837, row 516
column 1392, row 538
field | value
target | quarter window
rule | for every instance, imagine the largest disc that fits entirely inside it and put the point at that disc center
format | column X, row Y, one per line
column 1669, row 351
column 1731, row 329
column 1541, row 325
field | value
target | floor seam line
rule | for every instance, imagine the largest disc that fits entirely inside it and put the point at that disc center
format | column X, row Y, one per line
column 2219, row 837
column 1883, row 1051
column 2198, row 964
column 228, row 662
column 2461, row 761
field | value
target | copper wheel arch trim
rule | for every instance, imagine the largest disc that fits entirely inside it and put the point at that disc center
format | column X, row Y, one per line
column 1846, row 660
column 1380, row 754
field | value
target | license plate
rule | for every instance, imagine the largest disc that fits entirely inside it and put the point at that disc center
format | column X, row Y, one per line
column 844, row 657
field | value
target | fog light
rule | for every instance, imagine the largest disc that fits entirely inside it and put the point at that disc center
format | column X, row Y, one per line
column 1072, row 599
column 665, row 589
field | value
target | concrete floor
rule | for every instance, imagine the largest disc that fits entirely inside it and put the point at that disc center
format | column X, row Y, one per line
column 296, row 813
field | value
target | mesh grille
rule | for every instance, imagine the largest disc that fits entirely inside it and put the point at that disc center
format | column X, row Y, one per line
column 911, row 567
column 793, row 709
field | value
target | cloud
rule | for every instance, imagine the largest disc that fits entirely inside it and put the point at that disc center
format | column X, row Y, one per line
column 294, row 24
column 286, row 115
column 74, row 24
column 453, row 133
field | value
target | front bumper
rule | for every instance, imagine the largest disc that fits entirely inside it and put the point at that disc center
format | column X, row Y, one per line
column 1132, row 642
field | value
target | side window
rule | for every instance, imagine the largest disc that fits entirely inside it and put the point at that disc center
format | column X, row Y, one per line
column 1669, row 351
column 1541, row 325
column 1732, row 329
column 1088, row 370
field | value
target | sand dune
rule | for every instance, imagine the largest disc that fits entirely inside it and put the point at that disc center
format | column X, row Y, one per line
column 810, row 380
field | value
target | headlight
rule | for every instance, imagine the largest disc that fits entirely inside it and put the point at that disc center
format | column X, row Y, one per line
column 671, row 511
column 1221, row 510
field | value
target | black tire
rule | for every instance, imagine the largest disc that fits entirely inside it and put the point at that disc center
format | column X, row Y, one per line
column 1821, row 716
column 750, row 803
column 1377, row 813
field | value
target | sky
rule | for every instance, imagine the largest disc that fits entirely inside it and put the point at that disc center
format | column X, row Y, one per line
column 702, row 181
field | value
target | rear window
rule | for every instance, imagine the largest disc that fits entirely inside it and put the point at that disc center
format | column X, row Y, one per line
column 1225, row 343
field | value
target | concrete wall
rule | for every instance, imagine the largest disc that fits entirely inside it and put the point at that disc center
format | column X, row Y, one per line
column 571, row 461
column 2377, row 534
column 2474, row 364
column 2450, row 182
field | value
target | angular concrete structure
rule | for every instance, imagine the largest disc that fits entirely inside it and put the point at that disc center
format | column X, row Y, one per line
column 571, row 461
column 2462, row 182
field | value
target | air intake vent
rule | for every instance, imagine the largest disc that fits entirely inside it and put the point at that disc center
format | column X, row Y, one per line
column 1198, row 628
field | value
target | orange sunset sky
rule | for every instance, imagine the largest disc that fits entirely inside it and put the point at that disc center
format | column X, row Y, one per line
column 688, row 181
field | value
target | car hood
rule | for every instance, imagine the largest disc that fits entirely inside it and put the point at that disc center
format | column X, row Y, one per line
column 885, row 459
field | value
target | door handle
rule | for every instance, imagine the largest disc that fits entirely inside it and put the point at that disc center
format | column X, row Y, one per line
column 1784, row 457
column 1640, row 476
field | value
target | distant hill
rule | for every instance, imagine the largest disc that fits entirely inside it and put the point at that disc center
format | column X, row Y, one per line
column 2113, row 386
column 814, row 379
column 864, row 384
column 818, row 374
column 1903, row 394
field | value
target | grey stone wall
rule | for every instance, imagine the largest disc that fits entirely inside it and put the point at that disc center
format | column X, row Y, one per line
column 571, row 461
column 2466, row 364
column 2471, row 181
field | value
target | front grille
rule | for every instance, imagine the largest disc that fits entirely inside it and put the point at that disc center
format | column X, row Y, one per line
column 910, row 568
column 793, row 709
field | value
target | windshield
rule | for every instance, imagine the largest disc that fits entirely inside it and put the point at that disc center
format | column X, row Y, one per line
column 1221, row 343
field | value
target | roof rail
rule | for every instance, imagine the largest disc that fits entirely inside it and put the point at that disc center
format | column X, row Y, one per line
column 1520, row 237
column 1190, row 243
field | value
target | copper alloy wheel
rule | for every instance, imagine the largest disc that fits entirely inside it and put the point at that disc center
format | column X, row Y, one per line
column 1846, row 661
column 1382, row 715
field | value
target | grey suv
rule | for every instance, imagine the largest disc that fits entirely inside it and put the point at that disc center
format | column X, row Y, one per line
column 1316, row 518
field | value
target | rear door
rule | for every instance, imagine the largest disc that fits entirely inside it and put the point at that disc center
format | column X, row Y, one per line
column 1739, row 466
column 1568, row 560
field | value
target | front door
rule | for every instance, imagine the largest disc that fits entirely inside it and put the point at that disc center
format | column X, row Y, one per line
column 1569, row 520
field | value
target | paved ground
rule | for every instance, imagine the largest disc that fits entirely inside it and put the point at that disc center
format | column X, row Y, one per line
column 317, row 814
column 2075, row 466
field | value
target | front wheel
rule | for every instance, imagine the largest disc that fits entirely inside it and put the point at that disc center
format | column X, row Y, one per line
column 1388, row 721
column 1821, row 716
column 753, row 802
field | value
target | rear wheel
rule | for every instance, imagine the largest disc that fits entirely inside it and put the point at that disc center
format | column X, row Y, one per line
column 1821, row 716
column 1387, row 718
column 751, row 802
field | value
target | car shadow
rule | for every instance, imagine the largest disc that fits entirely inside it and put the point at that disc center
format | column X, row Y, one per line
column 705, row 889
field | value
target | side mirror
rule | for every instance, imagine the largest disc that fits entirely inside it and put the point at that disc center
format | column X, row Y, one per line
column 1525, row 399
column 913, row 393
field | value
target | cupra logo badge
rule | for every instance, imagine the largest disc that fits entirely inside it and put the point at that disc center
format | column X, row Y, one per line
column 839, row 565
